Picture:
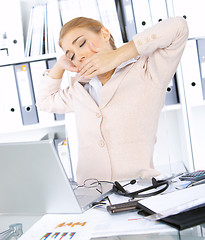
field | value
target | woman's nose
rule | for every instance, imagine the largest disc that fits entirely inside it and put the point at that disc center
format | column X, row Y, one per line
column 81, row 58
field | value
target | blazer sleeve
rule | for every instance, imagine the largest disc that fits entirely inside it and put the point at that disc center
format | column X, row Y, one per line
column 51, row 98
column 162, row 47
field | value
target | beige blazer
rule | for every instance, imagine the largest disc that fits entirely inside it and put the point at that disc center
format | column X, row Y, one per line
column 117, row 138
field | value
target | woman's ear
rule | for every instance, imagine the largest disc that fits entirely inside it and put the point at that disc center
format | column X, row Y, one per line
column 105, row 33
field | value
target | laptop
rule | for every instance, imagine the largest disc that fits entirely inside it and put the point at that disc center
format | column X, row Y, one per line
column 33, row 181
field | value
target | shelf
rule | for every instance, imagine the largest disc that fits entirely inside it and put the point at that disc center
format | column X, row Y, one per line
column 32, row 127
column 12, row 61
column 171, row 107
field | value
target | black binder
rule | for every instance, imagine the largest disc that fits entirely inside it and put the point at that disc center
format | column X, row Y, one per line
column 186, row 219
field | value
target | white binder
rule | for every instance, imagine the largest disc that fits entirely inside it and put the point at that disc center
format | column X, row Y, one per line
column 9, row 103
column 194, row 13
column 142, row 14
column 50, row 64
column 158, row 10
column 37, row 30
column 110, row 20
column 89, row 8
column 172, row 96
column 201, row 53
column 26, row 94
column 191, row 73
column 37, row 70
column 11, row 25
column 29, row 34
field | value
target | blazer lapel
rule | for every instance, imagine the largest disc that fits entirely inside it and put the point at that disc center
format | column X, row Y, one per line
column 109, row 89
column 85, row 97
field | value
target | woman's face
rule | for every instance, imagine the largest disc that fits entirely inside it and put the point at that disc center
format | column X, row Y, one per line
column 76, row 43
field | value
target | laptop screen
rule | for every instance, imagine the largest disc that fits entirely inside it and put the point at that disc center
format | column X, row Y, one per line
column 33, row 180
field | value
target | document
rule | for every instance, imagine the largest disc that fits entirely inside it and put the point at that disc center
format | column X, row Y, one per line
column 92, row 223
column 174, row 202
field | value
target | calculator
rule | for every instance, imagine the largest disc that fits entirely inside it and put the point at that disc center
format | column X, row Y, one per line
column 193, row 176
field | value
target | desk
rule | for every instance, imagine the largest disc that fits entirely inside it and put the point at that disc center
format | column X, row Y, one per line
column 130, row 232
column 98, row 224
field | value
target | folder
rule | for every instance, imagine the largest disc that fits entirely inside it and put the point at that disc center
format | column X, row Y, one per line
column 172, row 96
column 9, row 102
column 37, row 70
column 201, row 53
column 26, row 93
column 180, row 208
column 191, row 73
column 142, row 15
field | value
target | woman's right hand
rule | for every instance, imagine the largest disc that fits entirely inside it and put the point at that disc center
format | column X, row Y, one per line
column 61, row 65
column 65, row 63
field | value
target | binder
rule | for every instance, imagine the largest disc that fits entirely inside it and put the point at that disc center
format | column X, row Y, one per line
column 29, row 34
column 110, row 20
column 172, row 96
column 201, row 53
column 13, row 32
column 37, row 30
column 57, row 116
column 128, row 19
column 158, row 10
column 193, row 12
column 9, row 102
column 50, row 31
column 142, row 14
column 181, row 209
column 191, row 73
column 26, row 94
column 89, row 8
column 187, row 219
column 37, row 70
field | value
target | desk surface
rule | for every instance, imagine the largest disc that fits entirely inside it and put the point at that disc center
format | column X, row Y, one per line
column 98, row 224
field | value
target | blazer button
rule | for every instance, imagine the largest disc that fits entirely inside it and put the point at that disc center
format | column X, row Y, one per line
column 98, row 115
column 101, row 143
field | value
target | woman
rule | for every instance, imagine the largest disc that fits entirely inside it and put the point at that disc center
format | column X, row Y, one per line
column 117, row 94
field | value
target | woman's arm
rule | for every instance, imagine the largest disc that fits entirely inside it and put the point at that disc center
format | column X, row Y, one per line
column 161, row 47
column 61, row 65
column 169, row 36
column 50, row 97
column 106, row 60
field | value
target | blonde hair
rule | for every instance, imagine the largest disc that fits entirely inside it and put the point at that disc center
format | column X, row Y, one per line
column 83, row 22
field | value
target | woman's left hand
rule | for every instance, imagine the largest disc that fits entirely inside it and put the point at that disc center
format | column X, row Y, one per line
column 100, row 62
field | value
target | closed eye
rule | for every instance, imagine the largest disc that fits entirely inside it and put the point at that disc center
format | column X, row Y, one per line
column 83, row 43
column 72, row 57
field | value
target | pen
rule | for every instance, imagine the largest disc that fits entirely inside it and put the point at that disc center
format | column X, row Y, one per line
column 196, row 183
